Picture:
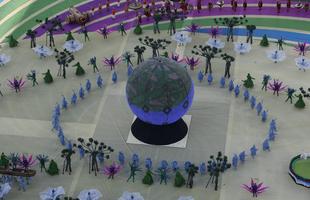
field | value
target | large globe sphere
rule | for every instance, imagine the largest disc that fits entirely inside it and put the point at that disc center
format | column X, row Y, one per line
column 160, row 91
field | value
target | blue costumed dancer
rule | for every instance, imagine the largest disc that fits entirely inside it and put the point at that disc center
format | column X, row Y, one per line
column 222, row 82
column 259, row 108
column 253, row 151
column 64, row 103
column 252, row 102
column 237, row 90
column 234, row 161
column 246, row 95
column 266, row 146
column 231, row 85
column 99, row 81
column 74, row 98
column 200, row 76
column 114, row 77
column 242, row 156
column 88, row 85
column 264, row 116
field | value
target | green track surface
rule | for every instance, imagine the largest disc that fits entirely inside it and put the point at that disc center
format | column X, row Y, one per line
column 266, row 22
column 10, row 6
column 302, row 168
column 63, row 5
column 36, row 6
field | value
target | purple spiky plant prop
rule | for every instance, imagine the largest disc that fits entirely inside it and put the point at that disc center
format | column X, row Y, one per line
column 214, row 31
column 192, row 62
column 276, row 86
column 193, row 28
column 302, row 48
column 111, row 62
column 111, row 170
column 254, row 188
column 176, row 58
column 26, row 161
column 16, row 84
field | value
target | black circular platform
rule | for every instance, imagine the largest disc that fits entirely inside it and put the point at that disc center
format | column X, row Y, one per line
column 159, row 134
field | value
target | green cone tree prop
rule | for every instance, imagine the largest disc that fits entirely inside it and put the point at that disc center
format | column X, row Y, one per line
column 148, row 178
column 138, row 30
column 79, row 69
column 53, row 168
column 48, row 77
column 179, row 180
column 69, row 36
column 300, row 102
column 264, row 42
column 12, row 41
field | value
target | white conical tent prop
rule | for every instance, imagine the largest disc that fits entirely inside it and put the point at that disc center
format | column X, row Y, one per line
column 215, row 43
column 73, row 45
column 43, row 51
column 52, row 193
column 131, row 196
column 4, row 190
column 4, row 59
column 182, row 38
column 276, row 55
column 90, row 194
column 242, row 48
column 302, row 63
column 186, row 198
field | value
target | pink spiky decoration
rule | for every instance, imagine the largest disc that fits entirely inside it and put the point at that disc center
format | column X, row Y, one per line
column 111, row 62
column 176, row 58
column 276, row 86
column 302, row 48
column 111, row 170
column 214, row 31
column 192, row 62
column 193, row 28
column 254, row 188
column 16, row 84
column 26, row 161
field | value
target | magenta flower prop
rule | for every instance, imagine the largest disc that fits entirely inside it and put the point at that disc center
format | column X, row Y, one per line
column 254, row 188
column 176, row 58
column 111, row 170
column 193, row 28
column 111, row 62
column 192, row 62
column 276, row 86
column 26, row 161
column 302, row 48
column 214, row 31
column 16, row 84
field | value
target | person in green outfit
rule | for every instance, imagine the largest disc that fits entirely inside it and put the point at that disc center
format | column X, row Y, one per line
column 122, row 29
column 280, row 43
column 85, row 32
column 157, row 18
column 33, row 77
column 265, row 81
column 93, row 62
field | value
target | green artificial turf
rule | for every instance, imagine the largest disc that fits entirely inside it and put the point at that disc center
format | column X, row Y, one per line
column 302, row 168
column 36, row 6
column 10, row 6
